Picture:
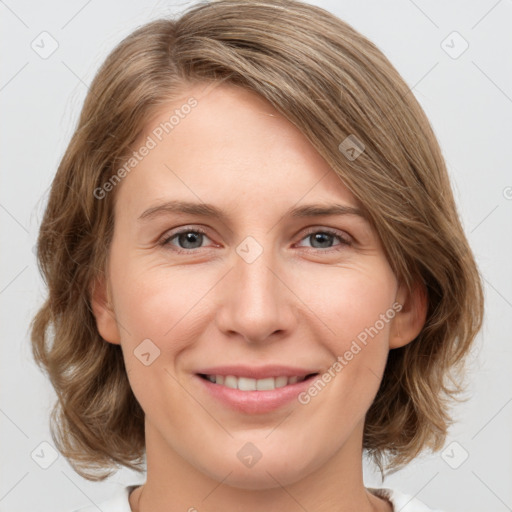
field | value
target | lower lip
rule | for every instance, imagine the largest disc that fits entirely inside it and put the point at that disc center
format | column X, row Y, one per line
column 256, row 402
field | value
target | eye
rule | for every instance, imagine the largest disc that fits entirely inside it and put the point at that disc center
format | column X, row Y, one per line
column 186, row 239
column 324, row 238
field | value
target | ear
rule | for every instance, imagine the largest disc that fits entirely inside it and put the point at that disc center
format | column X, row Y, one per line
column 103, row 311
column 409, row 321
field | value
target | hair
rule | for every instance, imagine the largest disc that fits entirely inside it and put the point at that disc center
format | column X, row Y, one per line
column 331, row 83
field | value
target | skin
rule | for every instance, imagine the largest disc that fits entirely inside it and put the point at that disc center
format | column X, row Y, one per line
column 300, row 303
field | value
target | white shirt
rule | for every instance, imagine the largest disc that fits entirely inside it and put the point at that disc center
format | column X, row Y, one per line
column 401, row 502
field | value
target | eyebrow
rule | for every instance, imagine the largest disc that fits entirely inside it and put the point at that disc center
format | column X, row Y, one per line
column 211, row 211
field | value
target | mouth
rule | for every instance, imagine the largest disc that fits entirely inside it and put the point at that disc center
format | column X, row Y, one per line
column 249, row 395
column 249, row 384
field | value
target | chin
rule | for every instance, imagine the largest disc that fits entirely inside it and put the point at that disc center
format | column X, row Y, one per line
column 262, row 475
column 260, row 480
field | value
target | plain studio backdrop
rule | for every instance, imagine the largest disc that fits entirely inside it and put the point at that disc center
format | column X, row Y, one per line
column 455, row 57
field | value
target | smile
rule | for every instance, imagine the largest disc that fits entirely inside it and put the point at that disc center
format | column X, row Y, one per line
column 254, row 390
column 249, row 384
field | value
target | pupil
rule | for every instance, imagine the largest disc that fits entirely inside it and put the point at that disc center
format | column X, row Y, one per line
column 189, row 238
column 318, row 238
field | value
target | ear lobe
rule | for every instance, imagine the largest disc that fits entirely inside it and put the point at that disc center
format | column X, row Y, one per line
column 103, row 312
column 409, row 321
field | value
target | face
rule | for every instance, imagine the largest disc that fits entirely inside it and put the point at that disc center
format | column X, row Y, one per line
column 255, row 340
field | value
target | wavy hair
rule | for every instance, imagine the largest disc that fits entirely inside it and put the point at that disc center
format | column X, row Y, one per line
column 330, row 82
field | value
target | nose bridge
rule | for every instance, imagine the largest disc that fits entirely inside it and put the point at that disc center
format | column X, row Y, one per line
column 257, row 302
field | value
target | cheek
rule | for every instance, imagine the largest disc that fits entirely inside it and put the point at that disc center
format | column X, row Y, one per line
column 155, row 311
column 162, row 312
column 348, row 300
column 355, row 307
column 158, row 302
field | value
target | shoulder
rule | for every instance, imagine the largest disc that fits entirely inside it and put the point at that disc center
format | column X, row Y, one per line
column 402, row 502
column 119, row 502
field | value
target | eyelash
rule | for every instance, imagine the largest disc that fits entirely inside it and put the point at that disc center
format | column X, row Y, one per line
column 344, row 241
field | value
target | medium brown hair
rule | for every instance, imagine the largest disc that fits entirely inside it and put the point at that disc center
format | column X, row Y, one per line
column 330, row 82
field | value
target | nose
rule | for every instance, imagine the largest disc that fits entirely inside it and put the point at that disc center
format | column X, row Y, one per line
column 256, row 303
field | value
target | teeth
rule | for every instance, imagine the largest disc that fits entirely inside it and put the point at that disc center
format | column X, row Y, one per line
column 229, row 381
column 281, row 382
column 247, row 384
column 265, row 384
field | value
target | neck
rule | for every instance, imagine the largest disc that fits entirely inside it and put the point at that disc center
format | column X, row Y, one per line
column 173, row 484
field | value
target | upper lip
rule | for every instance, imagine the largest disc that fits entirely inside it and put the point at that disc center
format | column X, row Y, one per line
column 261, row 372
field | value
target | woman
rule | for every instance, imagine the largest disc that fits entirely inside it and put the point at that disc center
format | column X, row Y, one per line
column 255, row 266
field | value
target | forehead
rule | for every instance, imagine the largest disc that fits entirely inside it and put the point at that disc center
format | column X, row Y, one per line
column 225, row 144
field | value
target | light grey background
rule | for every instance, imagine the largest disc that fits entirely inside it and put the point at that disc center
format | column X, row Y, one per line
column 469, row 102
